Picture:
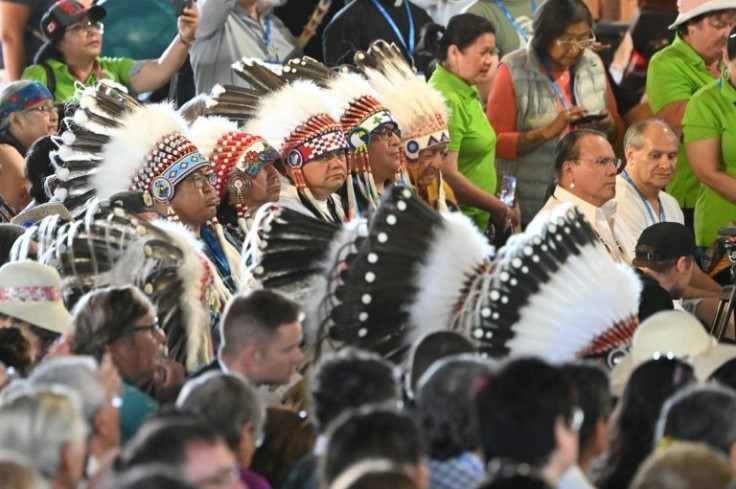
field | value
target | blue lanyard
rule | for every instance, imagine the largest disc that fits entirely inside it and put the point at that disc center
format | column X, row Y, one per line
column 558, row 90
column 410, row 47
column 217, row 252
column 662, row 216
column 269, row 40
column 511, row 19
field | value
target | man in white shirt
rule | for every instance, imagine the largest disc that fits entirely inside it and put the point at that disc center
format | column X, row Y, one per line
column 586, row 168
column 651, row 156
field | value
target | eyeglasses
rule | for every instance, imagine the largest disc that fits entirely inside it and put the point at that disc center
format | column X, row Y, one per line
column 385, row 132
column 152, row 328
column 223, row 478
column 576, row 421
column 87, row 27
column 432, row 152
column 617, row 163
column 567, row 45
column 45, row 109
column 199, row 179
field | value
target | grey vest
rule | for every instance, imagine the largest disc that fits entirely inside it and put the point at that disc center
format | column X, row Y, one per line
column 536, row 106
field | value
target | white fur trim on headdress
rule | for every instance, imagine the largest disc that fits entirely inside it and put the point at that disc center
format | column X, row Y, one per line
column 125, row 155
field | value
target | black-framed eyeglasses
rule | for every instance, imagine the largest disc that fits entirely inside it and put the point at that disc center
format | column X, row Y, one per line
column 44, row 109
column 603, row 161
column 385, row 131
column 199, row 179
column 88, row 27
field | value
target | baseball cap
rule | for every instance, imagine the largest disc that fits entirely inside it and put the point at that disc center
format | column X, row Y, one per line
column 665, row 241
column 64, row 13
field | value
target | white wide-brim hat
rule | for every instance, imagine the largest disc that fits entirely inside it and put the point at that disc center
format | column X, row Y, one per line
column 31, row 292
column 689, row 9
column 675, row 334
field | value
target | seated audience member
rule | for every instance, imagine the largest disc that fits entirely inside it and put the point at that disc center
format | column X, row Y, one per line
column 229, row 405
column 632, row 430
column 41, row 317
column 45, row 426
column 651, row 156
column 444, row 410
column 121, row 321
column 27, row 112
column 650, row 148
column 586, row 169
column 665, row 253
column 231, row 30
column 685, row 466
column 536, row 425
column 287, row 437
column 373, row 474
column 345, row 380
column 186, row 445
column 98, row 402
column 37, row 167
column 73, row 45
column 541, row 91
column 370, row 433
column 594, row 398
column 702, row 414
column 431, row 348
column 260, row 338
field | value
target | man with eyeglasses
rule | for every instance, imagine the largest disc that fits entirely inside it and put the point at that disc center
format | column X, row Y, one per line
column 586, row 169
column 73, row 45
column 681, row 69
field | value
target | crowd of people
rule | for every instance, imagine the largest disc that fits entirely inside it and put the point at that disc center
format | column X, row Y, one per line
column 434, row 255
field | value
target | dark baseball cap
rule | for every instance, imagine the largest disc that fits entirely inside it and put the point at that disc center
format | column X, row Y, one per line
column 64, row 13
column 665, row 241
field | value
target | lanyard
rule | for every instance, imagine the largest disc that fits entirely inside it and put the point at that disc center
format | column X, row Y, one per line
column 270, row 49
column 558, row 90
column 410, row 47
column 511, row 19
column 96, row 68
column 662, row 216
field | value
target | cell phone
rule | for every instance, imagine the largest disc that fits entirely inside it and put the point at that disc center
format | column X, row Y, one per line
column 508, row 190
column 180, row 5
column 587, row 119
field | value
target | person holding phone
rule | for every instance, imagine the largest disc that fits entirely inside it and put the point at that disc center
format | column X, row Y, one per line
column 73, row 45
column 543, row 90
column 464, row 53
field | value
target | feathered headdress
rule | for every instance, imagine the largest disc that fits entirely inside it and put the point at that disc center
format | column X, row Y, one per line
column 236, row 156
column 419, row 109
column 108, row 246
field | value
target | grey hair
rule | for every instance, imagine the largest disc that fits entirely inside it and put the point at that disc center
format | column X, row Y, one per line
column 8, row 91
column 226, row 402
column 37, row 423
column 634, row 137
column 78, row 374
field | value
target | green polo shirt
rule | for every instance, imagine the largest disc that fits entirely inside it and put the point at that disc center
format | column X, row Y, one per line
column 115, row 69
column 471, row 135
column 711, row 113
column 676, row 73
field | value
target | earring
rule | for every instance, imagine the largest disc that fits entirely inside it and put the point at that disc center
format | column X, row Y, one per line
column 572, row 185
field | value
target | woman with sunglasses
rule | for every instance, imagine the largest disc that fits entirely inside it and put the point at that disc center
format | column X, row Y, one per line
column 464, row 52
column 27, row 113
column 542, row 91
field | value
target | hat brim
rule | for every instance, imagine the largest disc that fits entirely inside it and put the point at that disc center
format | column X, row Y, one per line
column 707, row 363
column 710, row 6
column 51, row 316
